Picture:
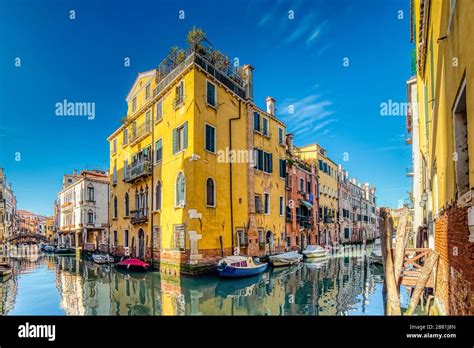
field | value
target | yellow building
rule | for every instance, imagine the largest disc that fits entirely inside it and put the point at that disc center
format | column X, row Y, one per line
column 50, row 229
column 328, row 191
column 442, row 32
column 183, row 181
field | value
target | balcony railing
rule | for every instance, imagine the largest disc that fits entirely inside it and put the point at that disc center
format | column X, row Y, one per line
column 137, row 170
column 141, row 131
column 139, row 216
column 304, row 220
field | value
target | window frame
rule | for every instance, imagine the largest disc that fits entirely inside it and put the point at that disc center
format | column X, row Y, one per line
column 267, row 133
column 158, row 161
column 265, row 205
column 176, row 203
column 214, row 196
column 208, row 82
column 214, row 140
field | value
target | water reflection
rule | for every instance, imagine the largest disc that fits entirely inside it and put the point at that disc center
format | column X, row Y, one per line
column 342, row 285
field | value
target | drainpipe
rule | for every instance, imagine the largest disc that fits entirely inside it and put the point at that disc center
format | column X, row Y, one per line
column 230, row 181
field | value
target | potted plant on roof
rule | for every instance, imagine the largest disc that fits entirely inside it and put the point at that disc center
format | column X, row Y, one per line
column 196, row 36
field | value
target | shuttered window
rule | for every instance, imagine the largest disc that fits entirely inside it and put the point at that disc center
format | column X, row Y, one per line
column 210, row 138
column 180, row 138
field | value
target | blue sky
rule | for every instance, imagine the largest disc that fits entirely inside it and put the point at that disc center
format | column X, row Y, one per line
column 297, row 61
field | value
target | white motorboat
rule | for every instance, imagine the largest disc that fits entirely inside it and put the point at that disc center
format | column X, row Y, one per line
column 376, row 255
column 286, row 259
column 102, row 259
column 315, row 251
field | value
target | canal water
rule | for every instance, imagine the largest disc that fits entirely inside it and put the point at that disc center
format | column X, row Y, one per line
column 40, row 284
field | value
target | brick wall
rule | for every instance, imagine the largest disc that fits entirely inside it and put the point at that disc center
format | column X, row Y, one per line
column 455, row 272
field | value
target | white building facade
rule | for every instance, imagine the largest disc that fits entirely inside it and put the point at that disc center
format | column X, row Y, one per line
column 83, row 211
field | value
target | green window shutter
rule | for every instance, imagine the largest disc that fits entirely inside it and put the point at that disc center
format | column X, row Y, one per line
column 185, row 145
column 175, row 141
column 270, row 158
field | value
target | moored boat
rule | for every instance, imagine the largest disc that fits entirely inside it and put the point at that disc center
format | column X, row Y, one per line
column 239, row 266
column 376, row 255
column 5, row 269
column 286, row 259
column 64, row 251
column 315, row 251
column 133, row 265
column 102, row 259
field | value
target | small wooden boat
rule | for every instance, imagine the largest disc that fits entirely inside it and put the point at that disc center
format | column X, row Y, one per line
column 5, row 270
column 102, row 259
column 48, row 249
column 286, row 259
column 133, row 265
column 239, row 266
column 315, row 251
column 64, row 251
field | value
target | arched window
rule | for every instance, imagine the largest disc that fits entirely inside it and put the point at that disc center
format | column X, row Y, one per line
column 90, row 192
column 127, row 205
column 90, row 217
column 180, row 190
column 115, row 207
column 158, row 195
column 210, row 193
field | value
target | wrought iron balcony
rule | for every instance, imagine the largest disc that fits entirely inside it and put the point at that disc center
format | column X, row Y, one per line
column 138, row 170
column 140, row 132
column 139, row 216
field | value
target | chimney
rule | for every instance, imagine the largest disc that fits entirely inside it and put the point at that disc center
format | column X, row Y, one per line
column 289, row 142
column 270, row 105
column 247, row 71
column 74, row 172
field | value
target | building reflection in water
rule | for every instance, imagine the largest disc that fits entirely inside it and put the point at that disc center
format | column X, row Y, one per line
column 339, row 286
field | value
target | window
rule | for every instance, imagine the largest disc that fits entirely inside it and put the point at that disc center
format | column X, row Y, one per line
column 301, row 185
column 180, row 138
column 308, row 186
column 461, row 141
column 179, row 238
column 157, row 237
column 179, row 90
column 256, row 121
column 158, row 195
column 158, row 150
column 211, row 94
column 126, row 238
column 265, row 129
column 258, row 159
column 114, row 146
column 258, row 204
column 261, row 239
column 90, row 192
column 126, row 204
column 125, row 136
column 125, row 169
column 243, row 240
column 282, row 168
column 90, row 217
column 115, row 173
column 148, row 121
column 115, row 207
column 210, row 138
column 280, row 136
column 267, row 204
column 147, row 91
column 282, row 206
column 267, row 162
column 180, row 190
column 159, row 110
column 134, row 104
column 210, row 193
column 115, row 239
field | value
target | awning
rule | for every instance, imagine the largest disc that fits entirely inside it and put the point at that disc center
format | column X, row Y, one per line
column 306, row 204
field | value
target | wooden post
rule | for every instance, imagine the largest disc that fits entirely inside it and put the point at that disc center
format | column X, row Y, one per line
column 393, row 298
column 422, row 280
column 400, row 244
